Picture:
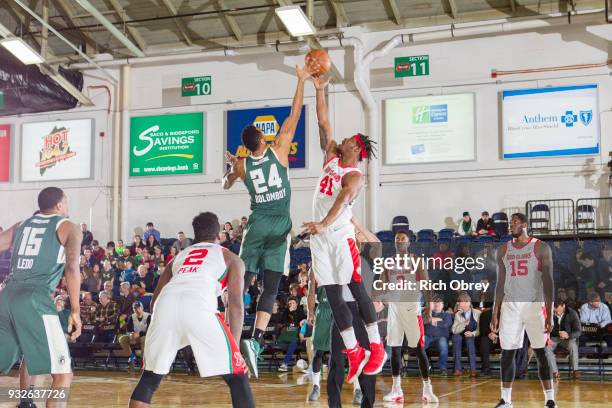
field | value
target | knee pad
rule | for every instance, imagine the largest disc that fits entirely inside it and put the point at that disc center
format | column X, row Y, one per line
column 543, row 365
column 508, row 367
column 148, row 384
column 271, row 281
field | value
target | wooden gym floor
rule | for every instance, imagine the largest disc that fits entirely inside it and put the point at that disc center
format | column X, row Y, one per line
column 113, row 389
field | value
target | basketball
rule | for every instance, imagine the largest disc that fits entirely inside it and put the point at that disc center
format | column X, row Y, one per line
column 318, row 62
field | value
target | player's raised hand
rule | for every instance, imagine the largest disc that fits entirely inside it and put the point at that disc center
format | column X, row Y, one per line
column 230, row 159
column 320, row 83
column 303, row 73
column 313, row 228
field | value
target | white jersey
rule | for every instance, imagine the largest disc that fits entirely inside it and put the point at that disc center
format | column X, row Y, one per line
column 523, row 273
column 407, row 299
column 328, row 188
column 200, row 268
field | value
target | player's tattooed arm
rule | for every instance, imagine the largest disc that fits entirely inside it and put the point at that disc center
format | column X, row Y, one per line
column 70, row 236
column 282, row 144
column 235, row 286
column 6, row 238
column 235, row 172
column 544, row 255
column 312, row 289
column 326, row 140
column 499, row 289
column 351, row 185
column 164, row 278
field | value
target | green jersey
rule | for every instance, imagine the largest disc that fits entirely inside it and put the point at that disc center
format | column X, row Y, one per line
column 267, row 181
column 322, row 296
column 38, row 256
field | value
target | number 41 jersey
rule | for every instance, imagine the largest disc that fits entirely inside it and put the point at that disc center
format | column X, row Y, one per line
column 200, row 268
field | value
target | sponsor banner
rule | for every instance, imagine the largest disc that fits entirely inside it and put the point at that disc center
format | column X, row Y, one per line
column 5, row 152
column 60, row 150
column 430, row 129
column 562, row 121
column 269, row 121
column 167, row 144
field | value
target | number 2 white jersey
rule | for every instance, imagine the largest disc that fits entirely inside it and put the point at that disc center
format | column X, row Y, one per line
column 328, row 188
column 523, row 273
column 200, row 268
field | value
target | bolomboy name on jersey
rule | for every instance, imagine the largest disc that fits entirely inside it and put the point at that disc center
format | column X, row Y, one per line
column 267, row 197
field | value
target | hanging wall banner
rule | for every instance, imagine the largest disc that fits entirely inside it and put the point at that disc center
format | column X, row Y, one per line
column 5, row 152
column 60, row 150
column 269, row 121
column 167, row 144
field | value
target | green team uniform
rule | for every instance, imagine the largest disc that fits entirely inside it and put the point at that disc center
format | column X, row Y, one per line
column 265, row 243
column 29, row 323
column 321, row 335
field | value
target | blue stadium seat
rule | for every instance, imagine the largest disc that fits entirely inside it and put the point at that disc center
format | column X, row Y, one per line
column 500, row 223
column 425, row 234
column 464, row 239
column 446, row 233
column 385, row 236
column 485, row 238
column 505, row 238
column 400, row 223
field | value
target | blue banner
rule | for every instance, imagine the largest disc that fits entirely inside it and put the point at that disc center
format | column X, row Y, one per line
column 269, row 121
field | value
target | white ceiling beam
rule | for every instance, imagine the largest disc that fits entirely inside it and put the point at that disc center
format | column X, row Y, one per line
column 68, row 15
column 230, row 20
column 111, row 28
column 182, row 27
column 142, row 44
column 397, row 16
column 340, row 13
column 44, row 41
column 513, row 6
column 453, row 8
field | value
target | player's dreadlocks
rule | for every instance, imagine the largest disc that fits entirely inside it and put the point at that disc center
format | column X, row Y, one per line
column 367, row 146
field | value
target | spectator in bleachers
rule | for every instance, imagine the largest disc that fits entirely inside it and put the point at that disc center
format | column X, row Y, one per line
column 87, row 235
column 488, row 340
column 136, row 331
column 466, row 225
column 465, row 329
column 241, row 228
column 88, row 308
column 125, row 302
column 110, row 247
column 97, row 251
column 137, row 243
column 181, row 243
column 127, row 256
column 604, row 275
column 572, row 300
column 172, row 254
column 565, row 333
column 128, row 275
column 145, row 279
column 158, row 257
column 107, row 312
column 64, row 315
column 292, row 321
column 485, row 225
column 587, row 276
column 437, row 331
column 108, row 287
column 150, row 230
column 93, row 280
column 90, row 260
column 229, row 229
column 120, row 247
column 302, row 288
column 253, row 291
column 595, row 312
column 151, row 242
column 107, row 273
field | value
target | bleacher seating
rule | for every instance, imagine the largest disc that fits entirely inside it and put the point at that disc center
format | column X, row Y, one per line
column 400, row 223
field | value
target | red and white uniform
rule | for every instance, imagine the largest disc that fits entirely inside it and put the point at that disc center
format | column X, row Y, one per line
column 523, row 305
column 186, row 313
column 335, row 258
column 405, row 314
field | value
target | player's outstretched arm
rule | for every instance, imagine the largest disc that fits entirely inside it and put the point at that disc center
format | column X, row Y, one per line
column 499, row 289
column 544, row 255
column 351, row 185
column 235, row 287
column 6, row 238
column 326, row 139
column 70, row 236
column 164, row 278
column 235, row 172
column 282, row 144
column 365, row 236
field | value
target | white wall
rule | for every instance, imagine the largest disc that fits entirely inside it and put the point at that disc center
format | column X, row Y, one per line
column 429, row 194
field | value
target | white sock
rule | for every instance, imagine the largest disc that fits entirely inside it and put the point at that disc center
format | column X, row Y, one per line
column 373, row 334
column 349, row 339
column 397, row 383
column 356, row 386
column 506, row 394
column 316, row 379
column 549, row 395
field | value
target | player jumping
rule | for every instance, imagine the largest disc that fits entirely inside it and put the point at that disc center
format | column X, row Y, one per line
column 523, row 302
column 335, row 258
column 265, row 243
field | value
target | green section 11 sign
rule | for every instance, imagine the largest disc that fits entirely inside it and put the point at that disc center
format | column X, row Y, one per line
column 196, row 86
column 166, row 144
column 417, row 65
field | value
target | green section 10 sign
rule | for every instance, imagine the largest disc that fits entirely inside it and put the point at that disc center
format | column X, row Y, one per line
column 196, row 86
column 417, row 65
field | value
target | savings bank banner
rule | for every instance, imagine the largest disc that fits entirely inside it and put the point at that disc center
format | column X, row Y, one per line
column 60, row 150
column 269, row 121
column 167, row 144
column 5, row 152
